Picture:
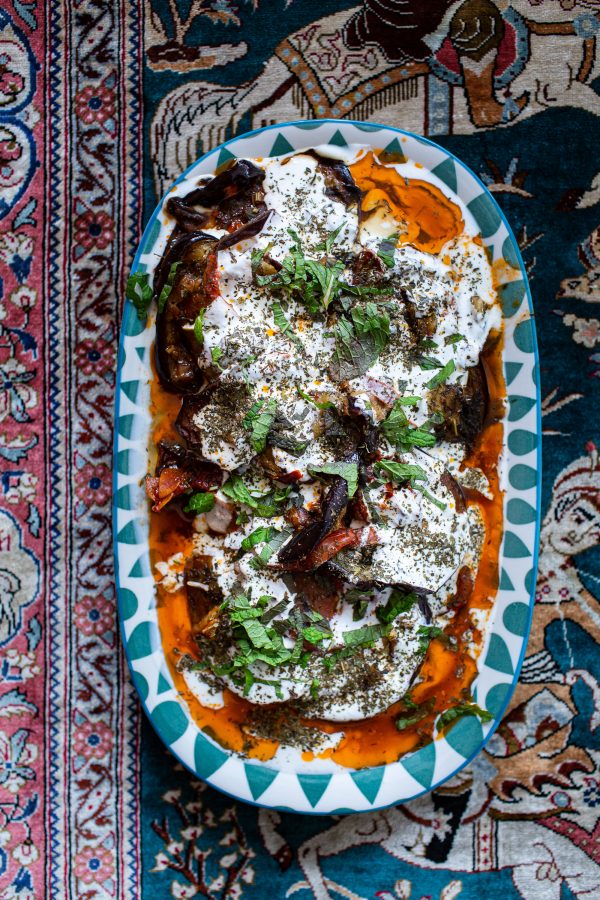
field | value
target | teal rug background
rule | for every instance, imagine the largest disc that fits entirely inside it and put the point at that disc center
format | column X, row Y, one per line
column 463, row 842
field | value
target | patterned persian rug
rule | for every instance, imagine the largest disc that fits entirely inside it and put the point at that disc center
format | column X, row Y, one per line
column 102, row 104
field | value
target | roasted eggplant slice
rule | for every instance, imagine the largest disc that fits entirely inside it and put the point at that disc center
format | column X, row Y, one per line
column 367, row 268
column 186, row 217
column 464, row 408
column 242, row 176
column 190, row 407
column 178, row 471
column 193, row 288
column 339, row 183
column 203, row 592
column 250, row 229
column 234, row 198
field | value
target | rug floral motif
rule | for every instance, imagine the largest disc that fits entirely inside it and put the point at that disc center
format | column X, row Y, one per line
column 102, row 104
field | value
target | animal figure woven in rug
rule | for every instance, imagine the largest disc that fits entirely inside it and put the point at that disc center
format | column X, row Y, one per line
column 102, row 104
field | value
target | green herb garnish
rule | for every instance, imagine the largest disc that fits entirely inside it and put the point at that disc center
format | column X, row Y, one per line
column 346, row 470
column 428, row 633
column 139, row 292
column 359, row 341
column 325, row 404
column 215, row 354
column 365, row 636
column 401, row 472
column 258, row 420
column 462, row 709
column 200, row 502
column 386, row 250
column 199, row 326
column 419, row 713
column 429, row 362
column 430, row 497
column 273, row 544
column 284, row 326
column 442, row 376
column 454, row 339
column 314, row 283
column 237, row 490
column 327, row 245
column 168, row 286
column 264, row 533
column 399, row 432
column 397, row 603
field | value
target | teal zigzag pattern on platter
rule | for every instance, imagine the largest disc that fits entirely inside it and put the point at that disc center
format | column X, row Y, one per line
column 335, row 789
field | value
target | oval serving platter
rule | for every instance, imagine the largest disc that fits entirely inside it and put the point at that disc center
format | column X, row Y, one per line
column 323, row 786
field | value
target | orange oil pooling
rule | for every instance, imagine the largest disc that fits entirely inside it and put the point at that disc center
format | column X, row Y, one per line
column 429, row 218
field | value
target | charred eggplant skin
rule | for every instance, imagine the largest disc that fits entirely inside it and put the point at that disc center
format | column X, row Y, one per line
column 465, row 409
column 175, row 348
column 339, row 183
column 241, row 175
column 234, row 197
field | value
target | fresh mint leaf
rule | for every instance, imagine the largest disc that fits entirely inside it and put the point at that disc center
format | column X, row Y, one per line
column 428, row 633
column 327, row 277
column 418, row 712
column 258, row 421
column 236, row 490
column 274, row 611
column 139, row 292
column 313, row 635
column 395, row 421
column 439, row 503
column 359, row 608
column 215, row 354
column 200, row 502
column 397, row 603
column 401, row 472
column 359, row 341
column 270, row 504
column 257, row 634
column 346, row 470
column 257, row 256
column 365, row 636
column 199, row 326
column 404, row 722
column 314, row 283
column 442, row 376
column 386, row 250
column 273, row 545
column 429, row 362
column 239, row 608
column 460, row 710
column 264, row 533
column 454, row 339
column 327, row 245
column 264, row 505
column 284, row 326
column 399, row 432
column 168, row 286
